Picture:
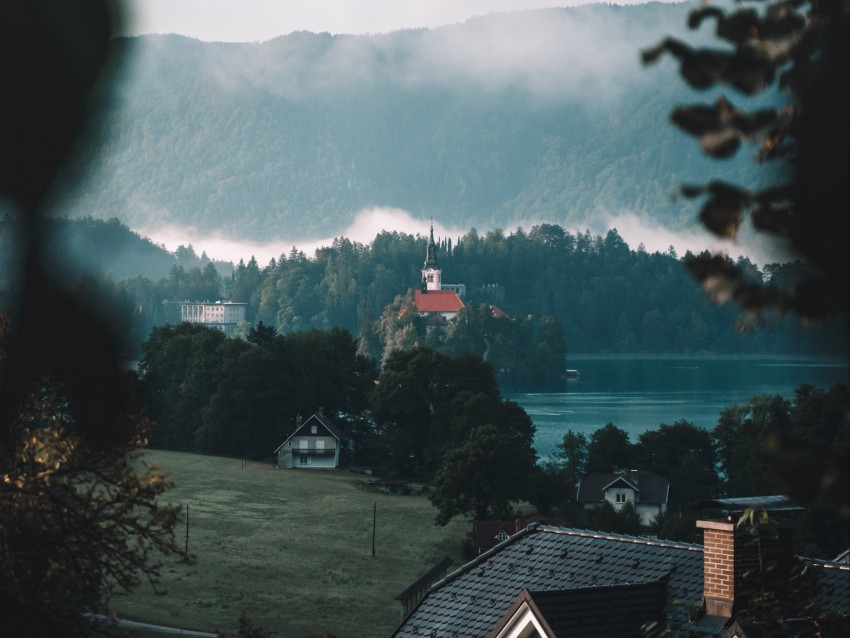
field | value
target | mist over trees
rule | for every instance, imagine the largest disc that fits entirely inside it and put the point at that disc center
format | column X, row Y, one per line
column 291, row 139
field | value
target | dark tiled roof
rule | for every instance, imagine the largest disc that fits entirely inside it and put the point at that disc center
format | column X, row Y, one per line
column 586, row 612
column 833, row 586
column 652, row 487
column 470, row 601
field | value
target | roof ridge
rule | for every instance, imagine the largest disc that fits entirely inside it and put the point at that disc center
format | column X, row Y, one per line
column 641, row 540
column 822, row 562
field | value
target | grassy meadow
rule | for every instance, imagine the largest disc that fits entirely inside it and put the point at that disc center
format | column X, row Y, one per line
column 291, row 549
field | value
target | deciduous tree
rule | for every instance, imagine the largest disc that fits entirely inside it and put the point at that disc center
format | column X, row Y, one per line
column 482, row 476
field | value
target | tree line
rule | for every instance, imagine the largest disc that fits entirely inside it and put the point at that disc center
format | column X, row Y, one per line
column 215, row 395
column 604, row 296
column 768, row 445
column 441, row 419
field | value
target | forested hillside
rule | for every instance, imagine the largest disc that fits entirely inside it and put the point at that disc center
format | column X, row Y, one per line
column 509, row 119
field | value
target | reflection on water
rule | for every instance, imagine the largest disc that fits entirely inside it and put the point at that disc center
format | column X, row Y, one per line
column 639, row 393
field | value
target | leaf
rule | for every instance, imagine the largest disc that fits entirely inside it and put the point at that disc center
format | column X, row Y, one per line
column 748, row 72
column 739, row 27
column 723, row 212
column 721, row 144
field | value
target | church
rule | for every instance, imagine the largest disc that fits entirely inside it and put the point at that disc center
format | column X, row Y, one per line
column 436, row 301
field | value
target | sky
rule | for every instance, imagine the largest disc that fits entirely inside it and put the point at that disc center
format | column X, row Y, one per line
column 261, row 20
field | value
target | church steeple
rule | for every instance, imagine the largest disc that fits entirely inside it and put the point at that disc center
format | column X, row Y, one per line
column 431, row 252
column 431, row 273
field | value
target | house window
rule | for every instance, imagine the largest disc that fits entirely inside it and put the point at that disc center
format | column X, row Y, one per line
column 621, row 497
column 302, row 459
column 313, row 429
column 302, row 443
column 320, row 444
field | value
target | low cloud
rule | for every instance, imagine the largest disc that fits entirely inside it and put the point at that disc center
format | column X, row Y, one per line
column 658, row 238
column 369, row 222
column 550, row 54
column 366, row 225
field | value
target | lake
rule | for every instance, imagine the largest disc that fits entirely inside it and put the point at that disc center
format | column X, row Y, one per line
column 640, row 393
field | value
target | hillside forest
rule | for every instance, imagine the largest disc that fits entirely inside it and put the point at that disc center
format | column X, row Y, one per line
column 285, row 139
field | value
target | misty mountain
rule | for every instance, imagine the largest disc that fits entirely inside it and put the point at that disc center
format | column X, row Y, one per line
column 505, row 120
column 88, row 246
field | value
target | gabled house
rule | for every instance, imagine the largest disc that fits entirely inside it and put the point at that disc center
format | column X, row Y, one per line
column 547, row 582
column 314, row 444
column 646, row 491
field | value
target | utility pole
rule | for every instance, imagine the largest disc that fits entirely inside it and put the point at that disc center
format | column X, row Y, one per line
column 374, row 521
column 187, row 532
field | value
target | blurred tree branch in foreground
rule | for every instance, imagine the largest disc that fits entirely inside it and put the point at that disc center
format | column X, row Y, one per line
column 78, row 507
column 801, row 48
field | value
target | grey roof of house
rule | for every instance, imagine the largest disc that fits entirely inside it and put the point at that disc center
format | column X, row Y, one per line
column 585, row 612
column 471, row 601
column 652, row 487
column 833, row 585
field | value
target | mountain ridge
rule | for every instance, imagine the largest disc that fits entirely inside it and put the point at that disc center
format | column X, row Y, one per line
column 503, row 120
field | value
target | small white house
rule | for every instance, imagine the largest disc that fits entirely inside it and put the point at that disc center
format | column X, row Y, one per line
column 315, row 445
column 646, row 491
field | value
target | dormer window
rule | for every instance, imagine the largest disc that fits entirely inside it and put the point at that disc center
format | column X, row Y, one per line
column 502, row 536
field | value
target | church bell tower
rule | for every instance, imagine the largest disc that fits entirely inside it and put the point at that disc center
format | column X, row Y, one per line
column 431, row 273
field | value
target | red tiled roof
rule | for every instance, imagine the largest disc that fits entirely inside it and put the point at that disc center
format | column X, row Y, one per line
column 498, row 313
column 437, row 301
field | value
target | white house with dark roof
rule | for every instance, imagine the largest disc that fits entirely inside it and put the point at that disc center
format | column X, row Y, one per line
column 314, row 444
column 646, row 491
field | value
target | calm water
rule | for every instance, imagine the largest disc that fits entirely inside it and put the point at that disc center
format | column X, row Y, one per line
column 639, row 394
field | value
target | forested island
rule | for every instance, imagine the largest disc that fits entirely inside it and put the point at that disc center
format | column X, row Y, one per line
column 561, row 291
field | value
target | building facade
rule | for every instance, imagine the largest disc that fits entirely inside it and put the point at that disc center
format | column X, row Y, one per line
column 221, row 315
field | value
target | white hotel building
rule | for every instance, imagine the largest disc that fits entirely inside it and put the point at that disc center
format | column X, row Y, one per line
column 222, row 315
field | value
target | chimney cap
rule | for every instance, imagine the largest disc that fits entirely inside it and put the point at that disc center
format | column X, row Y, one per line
column 776, row 503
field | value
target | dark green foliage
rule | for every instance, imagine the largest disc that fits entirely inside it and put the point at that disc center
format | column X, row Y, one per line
column 683, row 454
column 261, row 335
column 426, row 403
column 624, row 520
column 678, row 524
column 482, row 475
column 572, row 456
column 212, row 394
column 609, row 447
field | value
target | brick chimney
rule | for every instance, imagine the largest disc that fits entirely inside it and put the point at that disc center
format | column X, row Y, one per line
column 728, row 554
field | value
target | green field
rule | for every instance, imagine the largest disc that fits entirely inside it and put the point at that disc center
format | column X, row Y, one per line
column 291, row 549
